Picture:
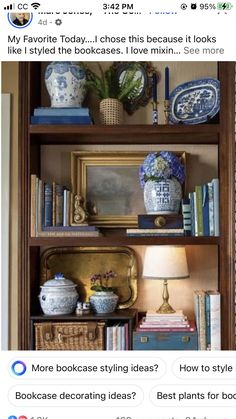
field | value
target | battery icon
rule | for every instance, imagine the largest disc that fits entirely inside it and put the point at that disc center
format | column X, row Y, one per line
column 224, row 6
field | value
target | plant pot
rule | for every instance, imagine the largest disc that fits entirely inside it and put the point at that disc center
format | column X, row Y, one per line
column 104, row 302
column 162, row 197
column 65, row 82
column 111, row 112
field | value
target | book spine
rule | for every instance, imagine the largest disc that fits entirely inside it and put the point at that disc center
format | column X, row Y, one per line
column 205, row 210
column 191, row 197
column 61, row 120
column 198, row 190
column 109, row 333
column 61, row 112
column 59, row 205
column 186, row 210
column 33, row 206
column 40, row 206
column 115, row 337
column 53, row 203
column 201, row 321
column 215, row 319
column 71, row 228
column 36, row 205
column 69, row 234
column 195, row 214
column 155, row 234
column 216, row 204
column 211, row 209
column 65, row 204
column 127, row 337
column 68, row 208
column 48, row 205
column 208, row 321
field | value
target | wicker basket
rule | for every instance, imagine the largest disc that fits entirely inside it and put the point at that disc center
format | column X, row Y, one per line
column 111, row 112
column 65, row 336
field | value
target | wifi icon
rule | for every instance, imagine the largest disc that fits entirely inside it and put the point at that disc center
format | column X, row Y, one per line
column 35, row 5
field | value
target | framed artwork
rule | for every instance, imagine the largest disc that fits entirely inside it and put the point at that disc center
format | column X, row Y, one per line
column 109, row 183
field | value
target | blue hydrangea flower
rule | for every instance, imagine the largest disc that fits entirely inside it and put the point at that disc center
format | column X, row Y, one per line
column 161, row 166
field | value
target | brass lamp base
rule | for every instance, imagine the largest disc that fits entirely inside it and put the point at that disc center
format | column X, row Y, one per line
column 165, row 308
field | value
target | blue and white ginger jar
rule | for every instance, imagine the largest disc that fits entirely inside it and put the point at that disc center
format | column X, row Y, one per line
column 58, row 296
column 104, row 302
column 65, row 82
column 162, row 197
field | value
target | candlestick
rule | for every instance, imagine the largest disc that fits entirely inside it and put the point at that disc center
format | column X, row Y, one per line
column 154, row 113
column 167, row 110
column 154, row 87
column 167, row 94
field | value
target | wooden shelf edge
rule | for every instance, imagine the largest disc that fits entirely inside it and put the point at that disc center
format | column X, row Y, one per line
column 124, row 129
column 122, row 241
column 119, row 314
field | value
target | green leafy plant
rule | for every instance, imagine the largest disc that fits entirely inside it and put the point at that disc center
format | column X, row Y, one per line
column 107, row 84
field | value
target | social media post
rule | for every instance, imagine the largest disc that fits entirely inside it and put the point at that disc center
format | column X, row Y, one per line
column 122, row 31
column 116, row 171
column 128, row 386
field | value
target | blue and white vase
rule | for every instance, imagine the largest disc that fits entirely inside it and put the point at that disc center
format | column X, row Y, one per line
column 162, row 197
column 65, row 82
column 104, row 302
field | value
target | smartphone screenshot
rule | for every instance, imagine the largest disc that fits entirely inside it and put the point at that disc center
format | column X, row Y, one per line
column 118, row 210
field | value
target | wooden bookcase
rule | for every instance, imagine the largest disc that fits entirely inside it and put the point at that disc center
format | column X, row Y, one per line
column 32, row 137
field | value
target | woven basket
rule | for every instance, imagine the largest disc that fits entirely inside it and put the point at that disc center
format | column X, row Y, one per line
column 111, row 112
column 74, row 336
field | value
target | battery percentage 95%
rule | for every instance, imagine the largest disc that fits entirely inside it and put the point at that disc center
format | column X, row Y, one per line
column 207, row 6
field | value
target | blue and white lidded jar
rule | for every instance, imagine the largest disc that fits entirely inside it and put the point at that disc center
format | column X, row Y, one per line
column 65, row 82
column 58, row 295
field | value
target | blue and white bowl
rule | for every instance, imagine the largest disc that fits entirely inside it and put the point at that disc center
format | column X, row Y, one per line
column 65, row 82
column 104, row 302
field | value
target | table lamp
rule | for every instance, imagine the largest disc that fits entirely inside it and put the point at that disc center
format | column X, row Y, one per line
column 165, row 262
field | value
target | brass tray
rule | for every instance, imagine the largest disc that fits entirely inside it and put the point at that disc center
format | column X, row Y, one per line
column 80, row 263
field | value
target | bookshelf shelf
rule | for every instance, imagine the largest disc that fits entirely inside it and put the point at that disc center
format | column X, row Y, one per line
column 125, row 134
column 32, row 137
column 122, row 241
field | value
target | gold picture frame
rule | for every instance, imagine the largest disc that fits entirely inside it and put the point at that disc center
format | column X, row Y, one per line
column 109, row 182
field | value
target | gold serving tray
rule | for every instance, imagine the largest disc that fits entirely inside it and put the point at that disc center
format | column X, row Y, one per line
column 80, row 263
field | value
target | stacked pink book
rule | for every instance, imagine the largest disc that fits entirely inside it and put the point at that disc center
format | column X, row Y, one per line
column 173, row 322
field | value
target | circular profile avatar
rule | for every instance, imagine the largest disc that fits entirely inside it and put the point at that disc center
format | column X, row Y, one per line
column 20, row 20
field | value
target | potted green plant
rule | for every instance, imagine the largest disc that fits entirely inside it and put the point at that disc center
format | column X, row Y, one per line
column 113, row 91
column 104, row 300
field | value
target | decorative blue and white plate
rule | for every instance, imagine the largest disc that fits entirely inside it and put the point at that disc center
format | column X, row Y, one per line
column 195, row 102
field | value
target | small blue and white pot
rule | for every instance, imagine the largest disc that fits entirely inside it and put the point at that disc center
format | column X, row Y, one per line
column 65, row 82
column 162, row 197
column 104, row 302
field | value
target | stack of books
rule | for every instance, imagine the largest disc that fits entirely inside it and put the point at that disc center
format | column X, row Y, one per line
column 202, row 207
column 51, row 208
column 173, row 322
column 208, row 319
column 61, row 116
column 158, row 225
column 117, row 337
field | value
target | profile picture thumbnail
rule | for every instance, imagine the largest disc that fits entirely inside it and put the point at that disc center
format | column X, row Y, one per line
column 20, row 20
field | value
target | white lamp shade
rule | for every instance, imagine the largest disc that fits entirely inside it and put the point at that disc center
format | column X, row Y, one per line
column 165, row 262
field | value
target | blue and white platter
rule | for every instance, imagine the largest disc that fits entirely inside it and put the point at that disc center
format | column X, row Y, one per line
column 195, row 102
